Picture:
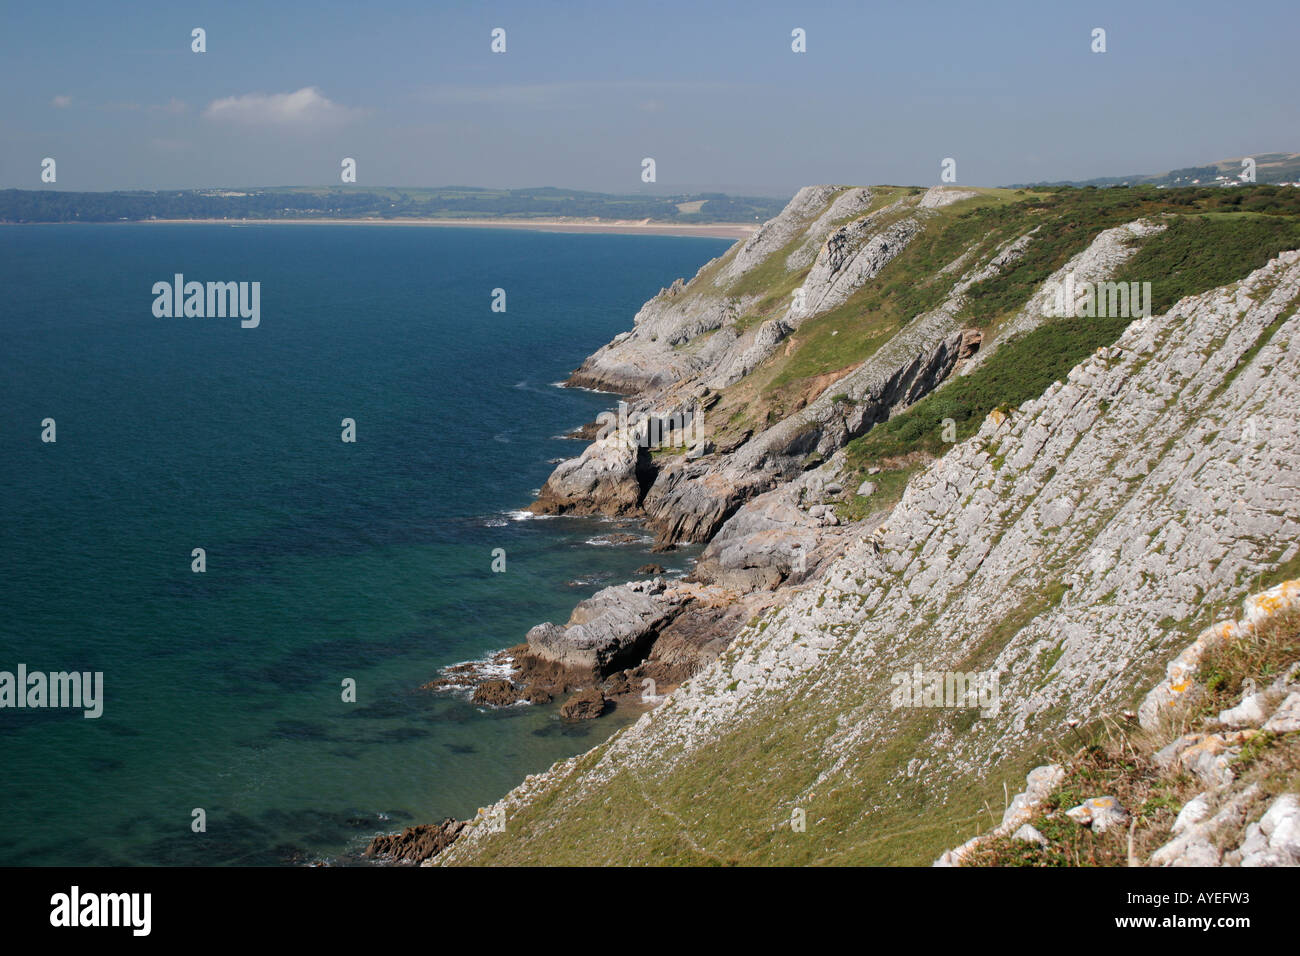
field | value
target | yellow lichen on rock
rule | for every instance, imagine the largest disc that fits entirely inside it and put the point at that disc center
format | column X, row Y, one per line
column 1179, row 673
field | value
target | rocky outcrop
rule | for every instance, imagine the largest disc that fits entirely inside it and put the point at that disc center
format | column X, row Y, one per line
column 1178, row 681
column 607, row 478
column 1039, row 785
column 1210, row 824
column 937, row 197
column 1275, row 839
column 495, row 693
column 690, row 501
column 850, row 204
column 808, row 203
column 783, row 535
column 671, row 364
column 416, row 844
column 609, row 630
column 649, row 358
column 851, row 256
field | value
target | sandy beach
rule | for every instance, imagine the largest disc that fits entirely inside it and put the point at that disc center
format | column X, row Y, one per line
column 725, row 230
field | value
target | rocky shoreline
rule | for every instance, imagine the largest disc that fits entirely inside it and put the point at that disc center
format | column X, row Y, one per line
column 768, row 519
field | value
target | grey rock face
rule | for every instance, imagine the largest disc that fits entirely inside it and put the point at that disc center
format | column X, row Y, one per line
column 605, row 479
column 850, row 204
column 851, row 256
column 690, row 502
column 609, row 629
column 797, row 216
column 772, row 539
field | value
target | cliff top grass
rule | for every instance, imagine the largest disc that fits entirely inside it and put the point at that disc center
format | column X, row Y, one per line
column 1214, row 237
column 1194, row 254
column 1231, row 233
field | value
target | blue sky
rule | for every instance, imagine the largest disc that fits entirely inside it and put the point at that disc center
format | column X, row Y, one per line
column 711, row 91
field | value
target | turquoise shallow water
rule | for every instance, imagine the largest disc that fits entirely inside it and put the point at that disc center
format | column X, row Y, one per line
column 325, row 560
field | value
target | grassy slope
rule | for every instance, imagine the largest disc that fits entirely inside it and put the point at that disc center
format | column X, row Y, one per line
column 1195, row 253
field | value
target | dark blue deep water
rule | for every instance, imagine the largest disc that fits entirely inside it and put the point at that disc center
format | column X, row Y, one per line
column 325, row 560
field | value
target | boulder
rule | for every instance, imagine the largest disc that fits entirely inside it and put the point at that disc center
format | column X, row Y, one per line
column 1099, row 813
column 586, row 705
column 1029, row 834
column 1286, row 719
column 1275, row 840
column 607, row 478
column 1249, row 713
column 610, row 630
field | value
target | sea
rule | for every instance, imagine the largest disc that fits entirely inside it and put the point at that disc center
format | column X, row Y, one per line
column 180, row 513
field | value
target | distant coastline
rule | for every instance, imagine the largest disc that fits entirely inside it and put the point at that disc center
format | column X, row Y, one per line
column 720, row 230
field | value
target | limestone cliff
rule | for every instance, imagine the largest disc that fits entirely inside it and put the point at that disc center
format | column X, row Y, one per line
column 1067, row 547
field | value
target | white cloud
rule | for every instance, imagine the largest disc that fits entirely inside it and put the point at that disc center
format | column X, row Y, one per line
column 306, row 107
column 61, row 102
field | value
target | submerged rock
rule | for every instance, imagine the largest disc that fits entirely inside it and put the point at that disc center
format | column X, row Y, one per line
column 496, row 693
column 587, row 705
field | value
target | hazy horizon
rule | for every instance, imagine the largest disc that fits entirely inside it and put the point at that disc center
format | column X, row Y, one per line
column 583, row 93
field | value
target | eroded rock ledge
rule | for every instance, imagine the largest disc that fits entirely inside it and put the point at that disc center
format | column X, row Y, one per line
column 630, row 644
